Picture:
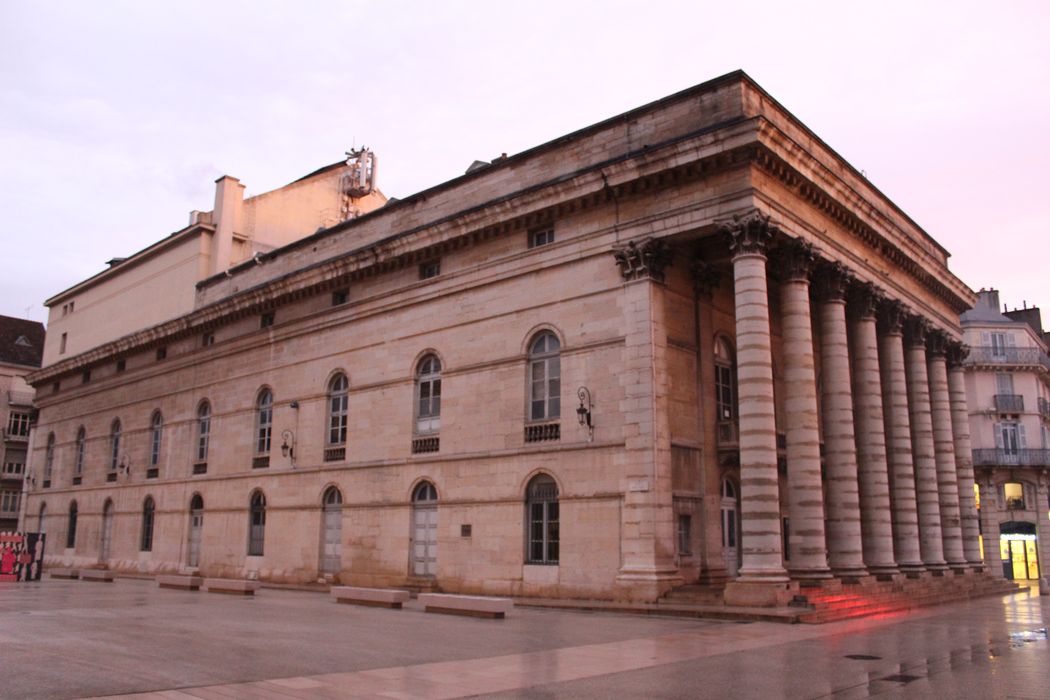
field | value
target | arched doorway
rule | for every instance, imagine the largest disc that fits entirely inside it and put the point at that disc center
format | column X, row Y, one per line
column 107, row 532
column 730, row 528
column 331, row 531
column 193, row 549
column 424, row 530
column 1018, row 545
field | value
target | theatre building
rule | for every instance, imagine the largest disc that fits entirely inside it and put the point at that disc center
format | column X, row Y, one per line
column 686, row 344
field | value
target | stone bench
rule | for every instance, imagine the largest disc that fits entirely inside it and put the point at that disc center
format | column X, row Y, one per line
column 233, row 586
column 186, row 583
column 473, row 606
column 104, row 575
column 64, row 573
column 376, row 597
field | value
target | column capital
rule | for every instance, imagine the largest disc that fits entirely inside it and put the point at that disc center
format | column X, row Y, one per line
column 645, row 258
column 749, row 234
column 705, row 278
column 891, row 316
column 794, row 261
column 957, row 354
column 937, row 343
column 864, row 299
column 832, row 281
column 916, row 331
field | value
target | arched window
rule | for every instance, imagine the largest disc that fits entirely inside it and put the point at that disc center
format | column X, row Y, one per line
column 544, row 377
column 148, row 510
column 263, row 422
column 78, row 455
column 331, row 531
column 49, row 459
column 156, row 432
column 257, row 524
column 196, row 527
column 541, row 514
column 725, row 380
column 203, row 433
column 41, row 526
column 428, row 395
column 337, row 410
column 114, row 446
column 71, row 529
column 424, row 530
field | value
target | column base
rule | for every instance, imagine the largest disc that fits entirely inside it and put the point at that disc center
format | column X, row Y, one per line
column 912, row 570
column 647, row 583
column 851, row 575
column 809, row 574
column 759, row 594
column 884, row 572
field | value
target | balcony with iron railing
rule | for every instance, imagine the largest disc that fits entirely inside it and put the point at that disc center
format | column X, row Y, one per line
column 994, row 355
column 998, row 457
column 1009, row 403
column 1044, row 407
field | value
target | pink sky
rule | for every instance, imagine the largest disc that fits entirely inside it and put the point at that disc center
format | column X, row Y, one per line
column 116, row 117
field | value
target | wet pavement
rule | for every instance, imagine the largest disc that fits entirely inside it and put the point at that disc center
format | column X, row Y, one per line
column 70, row 639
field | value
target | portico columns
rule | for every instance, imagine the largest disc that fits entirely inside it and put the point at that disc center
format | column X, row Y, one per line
column 963, row 455
column 931, row 545
column 845, row 549
column 806, row 542
column 874, row 483
column 898, row 439
column 944, row 444
column 761, row 552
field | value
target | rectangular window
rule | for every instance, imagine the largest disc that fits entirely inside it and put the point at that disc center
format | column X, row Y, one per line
column 85, row 377
column 162, row 353
column 1013, row 494
column 724, row 392
column 62, row 345
column 9, row 502
column 267, row 319
column 122, row 365
column 55, row 387
column 18, row 424
column 429, row 269
column 1004, row 383
column 340, row 296
column 998, row 344
column 541, row 237
column 13, row 469
column 207, row 340
column 685, row 539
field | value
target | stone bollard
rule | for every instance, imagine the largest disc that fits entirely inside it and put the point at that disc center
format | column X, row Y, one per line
column 1044, row 585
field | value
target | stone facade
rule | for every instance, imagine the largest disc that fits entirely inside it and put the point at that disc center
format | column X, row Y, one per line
column 21, row 345
column 705, row 267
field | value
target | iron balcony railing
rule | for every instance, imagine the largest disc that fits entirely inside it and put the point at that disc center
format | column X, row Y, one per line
column 1009, row 403
column 1044, row 407
column 996, row 457
column 984, row 355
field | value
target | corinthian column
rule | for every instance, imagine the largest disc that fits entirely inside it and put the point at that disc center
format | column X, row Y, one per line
column 876, row 521
column 805, row 491
column 931, row 544
column 963, row 455
column 845, row 548
column 944, row 445
column 898, row 439
column 761, row 550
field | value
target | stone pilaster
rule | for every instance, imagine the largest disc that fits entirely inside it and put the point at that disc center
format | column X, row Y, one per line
column 872, row 466
column 931, row 543
column 898, row 439
column 761, row 552
column 989, row 515
column 806, row 541
column 647, row 517
column 845, row 546
column 944, row 446
column 968, row 517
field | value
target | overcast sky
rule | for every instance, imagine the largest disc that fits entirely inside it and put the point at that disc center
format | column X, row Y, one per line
column 117, row 117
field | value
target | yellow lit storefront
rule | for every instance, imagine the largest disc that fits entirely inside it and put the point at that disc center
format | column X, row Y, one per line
column 1018, row 550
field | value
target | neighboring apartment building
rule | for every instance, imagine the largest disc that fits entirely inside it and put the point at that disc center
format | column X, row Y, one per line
column 159, row 282
column 593, row 369
column 1008, row 385
column 21, row 346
